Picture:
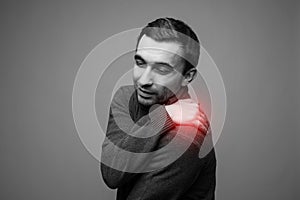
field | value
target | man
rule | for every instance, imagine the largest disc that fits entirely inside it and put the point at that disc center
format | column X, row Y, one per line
column 149, row 116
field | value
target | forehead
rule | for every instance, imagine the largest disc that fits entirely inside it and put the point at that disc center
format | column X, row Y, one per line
column 158, row 51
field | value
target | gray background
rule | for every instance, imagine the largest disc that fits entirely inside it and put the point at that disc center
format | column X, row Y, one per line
column 254, row 43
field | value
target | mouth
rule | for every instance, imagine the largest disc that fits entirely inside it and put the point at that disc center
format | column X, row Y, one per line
column 145, row 93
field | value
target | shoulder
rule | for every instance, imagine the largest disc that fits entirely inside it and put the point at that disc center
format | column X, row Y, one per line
column 127, row 89
column 124, row 92
column 123, row 95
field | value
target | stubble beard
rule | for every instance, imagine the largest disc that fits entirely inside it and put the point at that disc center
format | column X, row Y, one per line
column 159, row 98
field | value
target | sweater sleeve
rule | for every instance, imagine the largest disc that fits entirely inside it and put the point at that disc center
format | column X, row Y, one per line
column 124, row 138
column 175, row 181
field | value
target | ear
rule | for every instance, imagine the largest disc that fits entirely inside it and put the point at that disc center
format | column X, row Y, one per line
column 189, row 76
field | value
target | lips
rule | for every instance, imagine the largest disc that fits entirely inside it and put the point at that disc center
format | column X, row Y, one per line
column 145, row 93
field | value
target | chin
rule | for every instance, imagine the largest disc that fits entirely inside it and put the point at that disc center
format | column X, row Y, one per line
column 146, row 102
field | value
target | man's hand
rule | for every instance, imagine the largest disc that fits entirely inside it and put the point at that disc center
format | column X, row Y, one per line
column 188, row 113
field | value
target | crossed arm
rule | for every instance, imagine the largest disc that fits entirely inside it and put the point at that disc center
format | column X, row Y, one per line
column 168, row 182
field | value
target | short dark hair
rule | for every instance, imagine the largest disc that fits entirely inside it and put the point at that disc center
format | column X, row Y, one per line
column 170, row 29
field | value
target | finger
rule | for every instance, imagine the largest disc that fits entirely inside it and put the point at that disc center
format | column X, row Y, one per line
column 203, row 121
column 202, row 113
column 202, row 129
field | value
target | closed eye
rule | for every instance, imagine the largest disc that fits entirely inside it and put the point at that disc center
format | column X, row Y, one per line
column 139, row 61
column 163, row 69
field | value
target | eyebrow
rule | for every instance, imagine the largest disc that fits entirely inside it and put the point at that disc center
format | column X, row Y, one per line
column 138, row 57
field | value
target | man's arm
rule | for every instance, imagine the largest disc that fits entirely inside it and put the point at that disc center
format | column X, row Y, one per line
column 175, row 180
column 120, row 135
column 181, row 173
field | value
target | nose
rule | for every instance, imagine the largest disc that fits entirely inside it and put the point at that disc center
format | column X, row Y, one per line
column 146, row 78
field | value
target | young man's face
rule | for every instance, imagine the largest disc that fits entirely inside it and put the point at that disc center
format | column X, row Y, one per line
column 157, row 72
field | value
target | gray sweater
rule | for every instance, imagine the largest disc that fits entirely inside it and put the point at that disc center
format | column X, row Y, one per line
column 138, row 129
